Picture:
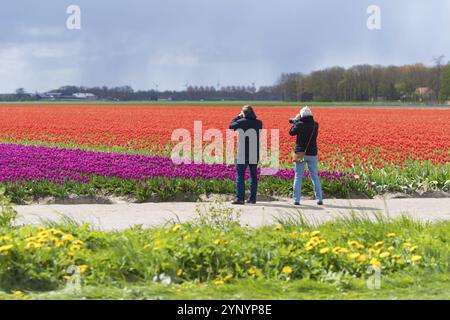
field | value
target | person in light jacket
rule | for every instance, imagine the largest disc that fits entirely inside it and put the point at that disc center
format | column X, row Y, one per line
column 306, row 130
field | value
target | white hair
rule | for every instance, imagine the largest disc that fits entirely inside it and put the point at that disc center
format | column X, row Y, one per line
column 305, row 112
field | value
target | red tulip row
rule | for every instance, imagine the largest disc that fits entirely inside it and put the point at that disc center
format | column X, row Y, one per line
column 347, row 136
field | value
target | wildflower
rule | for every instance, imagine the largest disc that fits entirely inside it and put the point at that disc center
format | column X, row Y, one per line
column 219, row 282
column 407, row 244
column 83, row 268
column 355, row 244
column 324, row 250
column 416, row 258
column 176, row 228
column 287, row 270
column 353, row 256
column 391, row 248
column 6, row 248
column 391, row 235
column 78, row 242
column 179, row 272
column 18, row 293
column 362, row 258
column 277, row 228
column 374, row 262
column 252, row 270
column 384, row 255
column 315, row 233
column 217, row 242
column 68, row 237
column 66, row 278
column 378, row 244
column 305, row 234
column 75, row 247
column 228, row 277
column 412, row 249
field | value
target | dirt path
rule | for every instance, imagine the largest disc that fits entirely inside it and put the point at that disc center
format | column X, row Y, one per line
column 121, row 216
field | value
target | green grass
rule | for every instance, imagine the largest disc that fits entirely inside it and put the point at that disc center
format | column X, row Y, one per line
column 213, row 257
column 419, row 286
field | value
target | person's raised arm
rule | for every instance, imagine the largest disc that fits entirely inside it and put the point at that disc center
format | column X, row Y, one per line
column 234, row 125
column 294, row 129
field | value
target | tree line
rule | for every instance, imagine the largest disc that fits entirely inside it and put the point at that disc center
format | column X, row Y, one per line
column 368, row 83
column 415, row 82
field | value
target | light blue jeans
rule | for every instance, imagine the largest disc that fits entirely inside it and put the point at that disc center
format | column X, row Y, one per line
column 312, row 162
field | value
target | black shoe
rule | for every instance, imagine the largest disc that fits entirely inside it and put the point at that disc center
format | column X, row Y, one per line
column 238, row 202
column 251, row 201
column 320, row 203
column 296, row 203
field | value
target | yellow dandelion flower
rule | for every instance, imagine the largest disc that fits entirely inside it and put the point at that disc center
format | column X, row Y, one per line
column 219, row 282
column 384, row 255
column 66, row 277
column 75, row 247
column 252, row 270
column 78, row 242
column 374, row 262
column 378, row 244
column 407, row 244
column 6, row 248
column 287, row 270
column 277, row 228
column 324, row 250
column 228, row 277
column 353, row 256
column 17, row 293
column 68, row 237
column 416, row 258
column 176, row 228
column 391, row 248
column 83, row 268
column 179, row 272
column 362, row 258
column 391, row 235
column 305, row 234
column 217, row 242
column 315, row 233
column 413, row 248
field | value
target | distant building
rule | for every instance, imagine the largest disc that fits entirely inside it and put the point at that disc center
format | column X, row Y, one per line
column 424, row 93
column 57, row 96
column 85, row 96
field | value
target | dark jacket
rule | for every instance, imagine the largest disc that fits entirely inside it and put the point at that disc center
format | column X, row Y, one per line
column 303, row 129
column 245, row 124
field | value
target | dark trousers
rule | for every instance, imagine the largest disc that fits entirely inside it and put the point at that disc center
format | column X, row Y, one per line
column 240, row 181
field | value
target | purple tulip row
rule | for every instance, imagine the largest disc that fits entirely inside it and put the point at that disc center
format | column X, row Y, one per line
column 25, row 163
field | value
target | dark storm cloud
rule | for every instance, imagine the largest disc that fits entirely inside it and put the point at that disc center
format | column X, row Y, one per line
column 173, row 42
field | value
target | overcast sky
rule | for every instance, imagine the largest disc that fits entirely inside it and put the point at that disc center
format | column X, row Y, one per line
column 203, row 42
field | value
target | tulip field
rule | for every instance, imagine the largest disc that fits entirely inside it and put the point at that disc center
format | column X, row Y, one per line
column 126, row 149
column 100, row 150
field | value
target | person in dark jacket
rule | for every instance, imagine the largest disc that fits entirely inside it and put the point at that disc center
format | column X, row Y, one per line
column 306, row 130
column 249, row 128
